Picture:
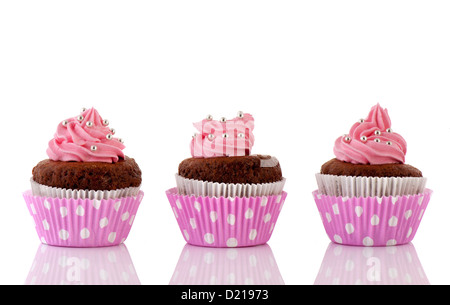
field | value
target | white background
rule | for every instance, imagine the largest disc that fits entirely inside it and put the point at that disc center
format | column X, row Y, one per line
column 306, row 70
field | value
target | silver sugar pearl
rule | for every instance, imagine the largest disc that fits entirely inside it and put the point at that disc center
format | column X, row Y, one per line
column 120, row 140
column 93, row 148
column 241, row 135
column 223, row 119
column 109, row 136
column 225, row 135
column 89, row 124
column 347, row 139
column 65, row 122
column 113, row 131
column 105, row 122
column 364, row 138
column 240, row 114
column 377, row 140
column 389, row 143
column 83, row 109
column 377, row 132
column 211, row 137
column 209, row 117
column 361, row 120
column 389, row 130
column 80, row 118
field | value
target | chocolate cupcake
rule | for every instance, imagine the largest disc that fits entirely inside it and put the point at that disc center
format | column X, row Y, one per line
column 86, row 186
column 367, row 195
column 225, row 196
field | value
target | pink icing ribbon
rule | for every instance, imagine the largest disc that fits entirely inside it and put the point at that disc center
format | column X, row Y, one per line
column 371, row 141
column 224, row 138
column 86, row 138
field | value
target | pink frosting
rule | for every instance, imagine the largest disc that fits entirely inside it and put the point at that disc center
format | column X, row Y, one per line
column 224, row 138
column 85, row 138
column 371, row 141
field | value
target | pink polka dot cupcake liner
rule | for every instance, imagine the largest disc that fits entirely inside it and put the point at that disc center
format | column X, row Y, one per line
column 226, row 222
column 70, row 222
column 372, row 221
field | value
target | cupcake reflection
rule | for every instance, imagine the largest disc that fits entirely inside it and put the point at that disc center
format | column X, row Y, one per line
column 350, row 265
column 222, row 266
column 82, row 266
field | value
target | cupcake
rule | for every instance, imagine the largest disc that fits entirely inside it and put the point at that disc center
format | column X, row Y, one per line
column 87, row 193
column 367, row 195
column 225, row 196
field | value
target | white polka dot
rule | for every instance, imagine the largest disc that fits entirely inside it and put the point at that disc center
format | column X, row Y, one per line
column 63, row 211
column 337, row 239
column 375, row 220
column 231, row 219
column 131, row 220
column 267, row 217
column 379, row 199
column 178, row 203
column 328, row 216
column 213, row 216
column 394, row 199
column 393, row 221
column 33, row 210
column 96, row 203
column 197, row 206
column 117, row 205
column 193, row 223
column 349, row 228
column 209, row 238
column 43, row 240
column 63, row 234
column 279, row 199
column 232, row 242
column 249, row 214
column 175, row 212
column 112, row 237
column 47, row 204
column 358, row 211
column 391, row 242
column 252, row 234
column 421, row 214
column 335, row 208
column 264, row 201
column 367, row 241
column 125, row 216
column 84, row 233
column 45, row 225
column 103, row 222
column 103, row 274
column 408, row 214
column 271, row 227
column 79, row 211
column 419, row 202
column 186, row 234
column 409, row 232
column 393, row 273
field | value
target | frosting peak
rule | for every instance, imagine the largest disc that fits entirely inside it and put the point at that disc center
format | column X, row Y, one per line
column 223, row 138
column 371, row 141
column 85, row 138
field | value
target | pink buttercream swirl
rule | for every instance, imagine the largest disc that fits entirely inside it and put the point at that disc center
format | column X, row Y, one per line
column 224, row 138
column 371, row 141
column 85, row 138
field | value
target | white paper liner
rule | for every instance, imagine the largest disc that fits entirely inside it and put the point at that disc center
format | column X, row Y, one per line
column 214, row 189
column 54, row 192
column 349, row 186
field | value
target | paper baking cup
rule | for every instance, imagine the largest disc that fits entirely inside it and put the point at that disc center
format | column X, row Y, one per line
column 214, row 189
column 226, row 222
column 372, row 221
column 72, row 222
column 347, row 265
column 369, row 186
column 55, row 192
column 82, row 266
column 238, row 266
